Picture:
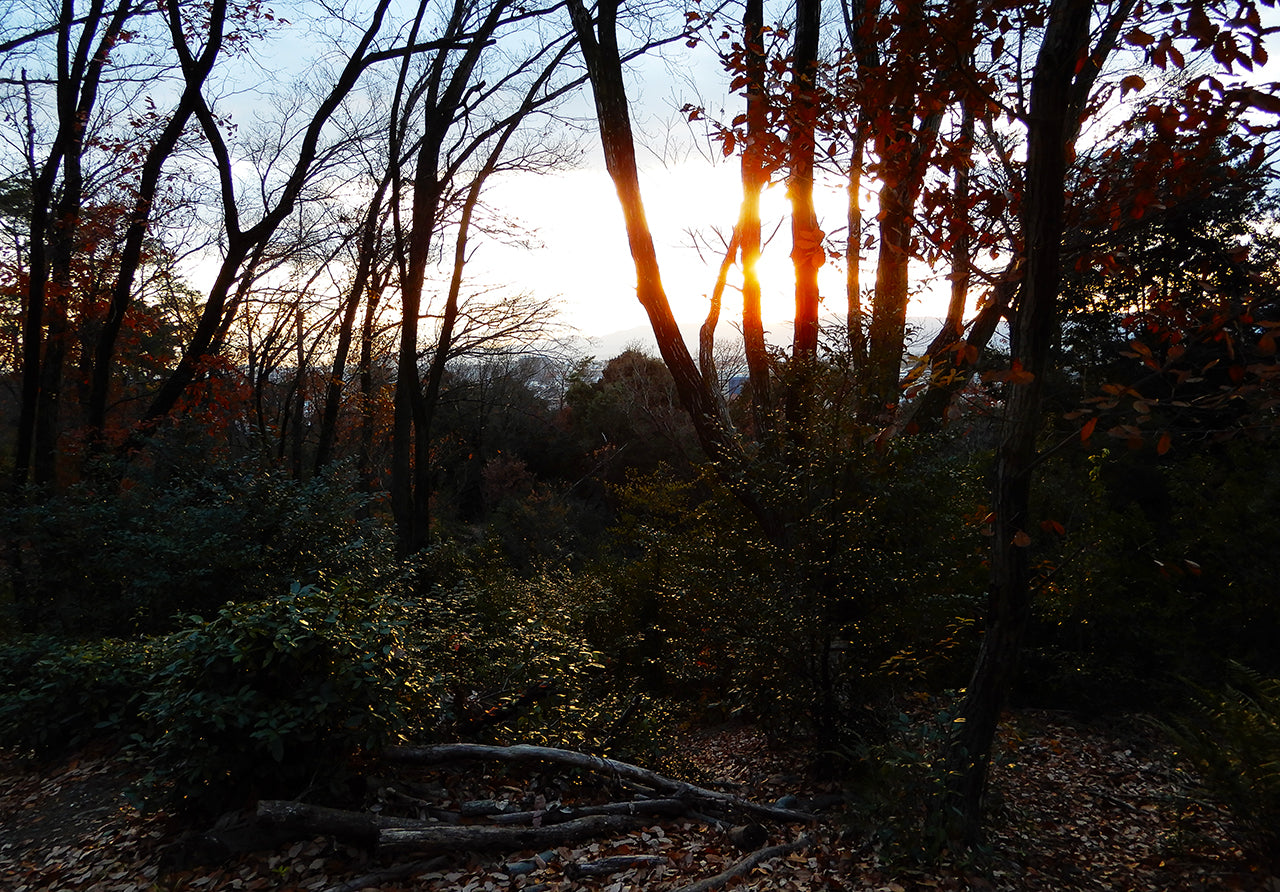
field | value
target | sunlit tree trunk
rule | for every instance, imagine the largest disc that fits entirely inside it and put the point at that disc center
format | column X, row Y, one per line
column 604, row 66
column 754, row 177
column 807, row 250
column 900, row 183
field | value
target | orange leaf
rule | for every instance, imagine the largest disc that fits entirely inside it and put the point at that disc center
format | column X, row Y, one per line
column 1162, row 446
column 1021, row 539
column 1052, row 526
column 1087, row 431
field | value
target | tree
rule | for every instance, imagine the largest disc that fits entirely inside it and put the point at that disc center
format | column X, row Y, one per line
column 921, row 80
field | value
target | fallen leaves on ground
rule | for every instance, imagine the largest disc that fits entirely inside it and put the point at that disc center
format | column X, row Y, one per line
column 1076, row 808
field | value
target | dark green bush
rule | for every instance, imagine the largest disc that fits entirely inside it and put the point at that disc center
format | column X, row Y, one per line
column 1232, row 738
column 280, row 698
column 56, row 695
column 1162, row 575
column 122, row 560
column 879, row 566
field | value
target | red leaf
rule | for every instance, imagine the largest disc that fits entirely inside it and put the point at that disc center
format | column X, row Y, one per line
column 1052, row 526
column 1087, row 431
column 1164, row 444
column 1133, row 82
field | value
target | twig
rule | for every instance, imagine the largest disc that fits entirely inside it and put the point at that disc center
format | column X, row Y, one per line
column 394, row 872
column 747, row 864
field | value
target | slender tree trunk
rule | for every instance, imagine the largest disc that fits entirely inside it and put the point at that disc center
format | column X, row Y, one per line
column 604, row 66
column 807, row 250
column 855, row 316
column 240, row 243
column 1050, row 131
column 152, row 167
column 707, row 334
column 899, row 190
column 49, row 288
column 754, row 177
column 359, row 286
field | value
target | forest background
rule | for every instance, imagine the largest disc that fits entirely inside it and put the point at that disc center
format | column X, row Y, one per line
column 286, row 481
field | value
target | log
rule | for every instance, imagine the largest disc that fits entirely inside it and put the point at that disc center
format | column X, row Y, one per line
column 298, row 820
column 748, row 837
column 746, row 865
column 616, row 864
column 707, row 799
column 665, row 807
column 442, row 838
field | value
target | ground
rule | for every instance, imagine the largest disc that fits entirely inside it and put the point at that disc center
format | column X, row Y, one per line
column 1076, row 807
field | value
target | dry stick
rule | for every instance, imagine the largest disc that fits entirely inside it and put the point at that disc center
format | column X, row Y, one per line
column 616, row 864
column 394, row 872
column 746, row 865
column 446, row 838
column 549, row 816
column 621, row 770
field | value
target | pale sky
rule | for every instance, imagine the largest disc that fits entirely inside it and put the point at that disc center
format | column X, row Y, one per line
column 585, row 258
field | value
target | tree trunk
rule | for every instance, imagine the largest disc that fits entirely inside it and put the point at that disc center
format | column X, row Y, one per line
column 807, row 250
column 901, row 181
column 359, row 287
column 1050, row 134
column 754, row 177
column 135, row 233
column 604, row 66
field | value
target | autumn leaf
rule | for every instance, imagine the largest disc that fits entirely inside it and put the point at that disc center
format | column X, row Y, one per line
column 1021, row 539
column 1133, row 82
column 1052, row 526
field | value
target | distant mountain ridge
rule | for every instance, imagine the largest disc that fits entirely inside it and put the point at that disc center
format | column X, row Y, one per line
column 920, row 331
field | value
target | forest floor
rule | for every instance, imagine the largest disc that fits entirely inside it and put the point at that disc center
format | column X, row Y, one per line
column 1077, row 807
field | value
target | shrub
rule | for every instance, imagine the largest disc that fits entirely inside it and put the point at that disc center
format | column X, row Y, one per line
column 279, row 698
column 56, row 695
column 1232, row 738
column 130, row 559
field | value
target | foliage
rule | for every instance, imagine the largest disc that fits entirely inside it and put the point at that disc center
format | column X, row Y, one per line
column 126, row 560
column 899, row 778
column 57, row 695
column 280, row 698
column 1149, row 580
column 1232, row 737
column 513, row 664
column 801, row 634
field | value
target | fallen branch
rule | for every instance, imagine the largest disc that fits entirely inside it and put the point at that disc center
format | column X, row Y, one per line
column 746, row 865
column 446, row 838
column 665, row 807
column 616, row 864
column 394, row 872
column 709, row 799
column 298, row 820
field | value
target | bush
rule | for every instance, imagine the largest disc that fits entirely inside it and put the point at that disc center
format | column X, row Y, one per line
column 56, row 695
column 280, row 698
column 129, row 559
column 510, row 658
column 879, row 566
column 1232, row 738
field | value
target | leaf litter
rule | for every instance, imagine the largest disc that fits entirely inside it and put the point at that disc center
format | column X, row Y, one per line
column 1074, row 807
